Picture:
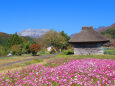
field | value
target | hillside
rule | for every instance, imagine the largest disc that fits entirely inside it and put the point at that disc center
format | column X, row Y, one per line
column 102, row 29
column 109, row 31
column 4, row 37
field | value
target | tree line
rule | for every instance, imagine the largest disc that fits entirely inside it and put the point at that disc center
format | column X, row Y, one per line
column 19, row 45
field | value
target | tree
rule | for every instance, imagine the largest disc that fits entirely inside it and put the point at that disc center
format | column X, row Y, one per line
column 110, row 32
column 25, row 47
column 65, row 35
column 113, row 44
column 16, row 49
column 3, row 51
column 34, row 48
column 67, row 38
column 15, row 40
column 53, row 38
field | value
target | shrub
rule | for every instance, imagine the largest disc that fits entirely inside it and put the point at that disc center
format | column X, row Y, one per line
column 52, row 52
column 3, row 51
column 43, row 51
column 113, row 45
column 34, row 48
column 16, row 49
column 67, row 52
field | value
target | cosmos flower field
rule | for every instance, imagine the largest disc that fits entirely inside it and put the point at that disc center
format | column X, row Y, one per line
column 80, row 72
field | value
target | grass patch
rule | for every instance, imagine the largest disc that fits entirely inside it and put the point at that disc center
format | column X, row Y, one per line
column 68, row 52
column 86, row 56
column 110, row 52
column 12, row 59
column 20, row 65
column 16, row 57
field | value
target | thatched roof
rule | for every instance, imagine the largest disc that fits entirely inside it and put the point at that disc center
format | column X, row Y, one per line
column 88, row 34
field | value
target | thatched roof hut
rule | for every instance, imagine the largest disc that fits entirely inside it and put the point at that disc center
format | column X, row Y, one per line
column 88, row 41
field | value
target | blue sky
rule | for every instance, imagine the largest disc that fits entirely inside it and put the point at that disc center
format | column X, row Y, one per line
column 67, row 15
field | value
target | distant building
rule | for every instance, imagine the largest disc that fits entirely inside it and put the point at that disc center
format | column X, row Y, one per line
column 49, row 49
column 88, row 42
column 10, row 54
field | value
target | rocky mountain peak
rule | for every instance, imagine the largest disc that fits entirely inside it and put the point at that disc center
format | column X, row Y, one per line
column 34, row 33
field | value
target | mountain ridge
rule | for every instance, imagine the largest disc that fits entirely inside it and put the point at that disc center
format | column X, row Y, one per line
column 103, row 28
column 33, row 33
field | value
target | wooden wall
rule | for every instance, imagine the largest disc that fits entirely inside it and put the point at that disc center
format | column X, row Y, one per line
column 89, row 49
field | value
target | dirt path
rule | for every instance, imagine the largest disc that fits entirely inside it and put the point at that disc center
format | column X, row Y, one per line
column 39, row 57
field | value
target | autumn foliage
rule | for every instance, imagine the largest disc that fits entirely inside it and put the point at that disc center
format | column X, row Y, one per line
column 113, row 44
column 34, row 48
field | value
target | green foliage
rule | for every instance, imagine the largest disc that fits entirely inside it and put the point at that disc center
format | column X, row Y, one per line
column 20, row 42
column 1, row 48
column 30, row 40
column 67, row 38
column 15, row 40
column 3, row 38
column 67, row 52
column 110, row 32
column 3, row 51
column 43, row 51
column 3, row 42
column 52, row 51
column 53, row 38
column 34, row 53
column 109, row 52
column 7, row 41
column 25, row 47
column 16, row 49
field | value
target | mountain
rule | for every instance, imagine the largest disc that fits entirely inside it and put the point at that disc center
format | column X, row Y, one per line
column 33, row 33
column 102, row 29
column 108, row 31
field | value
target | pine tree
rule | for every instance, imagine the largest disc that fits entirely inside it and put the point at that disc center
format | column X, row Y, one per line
column 15, row 40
